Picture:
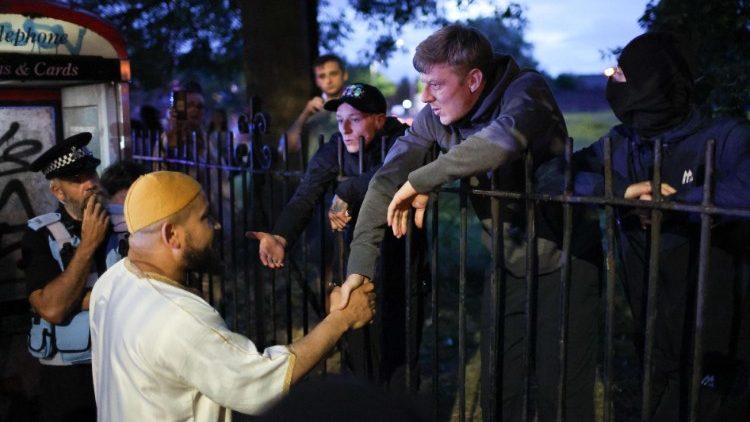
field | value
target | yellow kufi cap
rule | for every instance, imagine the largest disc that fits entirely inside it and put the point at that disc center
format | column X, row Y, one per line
column 156, row 196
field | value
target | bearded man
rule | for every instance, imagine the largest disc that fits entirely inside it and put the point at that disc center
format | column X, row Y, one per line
column 63, row 254
column 161, row 352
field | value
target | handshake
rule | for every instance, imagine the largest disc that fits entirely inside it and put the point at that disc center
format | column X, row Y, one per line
column 354, row 301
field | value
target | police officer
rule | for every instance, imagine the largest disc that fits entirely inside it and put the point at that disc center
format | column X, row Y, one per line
column 63, row 254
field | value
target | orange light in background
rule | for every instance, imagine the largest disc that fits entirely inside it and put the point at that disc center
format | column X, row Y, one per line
column 608, row 72
column 125, row 70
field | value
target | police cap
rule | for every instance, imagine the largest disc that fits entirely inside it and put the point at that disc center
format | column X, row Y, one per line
column 67, row 158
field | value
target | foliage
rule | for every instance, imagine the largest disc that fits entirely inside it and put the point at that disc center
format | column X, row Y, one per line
column 477, row 253
column 719, row 33
column 403, row 90
column 566, row 81
column 587, row 128
column 361, row 73
column 387, row 18
column 505, row 32
column 177, row 40
column 180, row 40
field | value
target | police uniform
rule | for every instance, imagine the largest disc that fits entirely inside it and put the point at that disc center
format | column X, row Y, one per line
column 48, row 246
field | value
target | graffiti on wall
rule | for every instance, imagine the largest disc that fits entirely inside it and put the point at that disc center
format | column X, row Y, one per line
column 25, row 132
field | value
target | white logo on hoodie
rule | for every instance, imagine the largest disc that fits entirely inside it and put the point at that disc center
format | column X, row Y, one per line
column 687, row 176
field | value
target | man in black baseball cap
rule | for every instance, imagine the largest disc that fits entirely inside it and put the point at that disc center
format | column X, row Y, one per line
column 64, row 252
column 363, row 97
column 360, row 113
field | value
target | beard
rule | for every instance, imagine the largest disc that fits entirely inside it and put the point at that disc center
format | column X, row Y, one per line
column 76, row 208
column 204, row 260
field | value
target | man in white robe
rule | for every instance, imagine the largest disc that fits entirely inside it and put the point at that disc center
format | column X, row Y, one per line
column 159, row 351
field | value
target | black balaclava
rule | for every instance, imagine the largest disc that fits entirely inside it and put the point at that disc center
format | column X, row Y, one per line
column 658, row 91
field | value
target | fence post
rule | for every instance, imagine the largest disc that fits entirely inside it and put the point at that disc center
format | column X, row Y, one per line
column 653, row 282
column 322, row 256
column 529, row 353
column 435, row 315
column 609, row 213
column 565, row 271
column 463, row 204
column 703, row 266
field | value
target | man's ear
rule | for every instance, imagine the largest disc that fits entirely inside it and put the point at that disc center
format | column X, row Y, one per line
column 379, row 121
column 56, row 189
column 170, row 235
column 346, row 76
column 475, row 78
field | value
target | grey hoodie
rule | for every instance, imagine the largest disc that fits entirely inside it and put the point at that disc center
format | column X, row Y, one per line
column 516, row 111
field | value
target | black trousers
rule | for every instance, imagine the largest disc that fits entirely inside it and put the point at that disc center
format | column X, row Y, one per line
column 725, row 391
column 582, row 344
column 378, row 351
column 67, row 394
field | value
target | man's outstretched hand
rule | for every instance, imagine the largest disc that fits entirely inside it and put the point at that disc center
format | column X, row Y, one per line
column 271, row 250
column 353, row 281
column 398, row 210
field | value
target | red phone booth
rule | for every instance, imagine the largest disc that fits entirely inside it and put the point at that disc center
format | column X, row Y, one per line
column 62, row 71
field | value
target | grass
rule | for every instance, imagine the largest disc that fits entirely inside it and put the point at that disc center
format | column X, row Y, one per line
column 587, row 128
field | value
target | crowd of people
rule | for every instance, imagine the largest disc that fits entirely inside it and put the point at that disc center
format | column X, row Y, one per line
column 121, row 336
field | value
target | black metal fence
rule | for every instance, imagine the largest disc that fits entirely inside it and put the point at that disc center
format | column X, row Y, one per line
column 247, row 188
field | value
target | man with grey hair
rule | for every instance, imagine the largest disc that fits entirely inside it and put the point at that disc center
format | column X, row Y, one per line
column 63, row 254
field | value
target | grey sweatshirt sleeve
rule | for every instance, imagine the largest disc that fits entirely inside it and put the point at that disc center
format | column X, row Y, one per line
column 408, row 153
column 528, row 114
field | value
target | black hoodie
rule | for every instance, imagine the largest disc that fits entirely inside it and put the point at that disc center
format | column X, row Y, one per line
column 323, row 171
column 658, row 90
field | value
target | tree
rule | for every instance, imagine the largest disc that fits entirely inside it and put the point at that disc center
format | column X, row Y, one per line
column 177, row 40
column 362, row 73
column 386, row 19
column 267, row 45
column 505, row 32
column 280, row 40
column 719, row 33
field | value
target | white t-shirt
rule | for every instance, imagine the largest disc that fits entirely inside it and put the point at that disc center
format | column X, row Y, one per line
column 160, row 352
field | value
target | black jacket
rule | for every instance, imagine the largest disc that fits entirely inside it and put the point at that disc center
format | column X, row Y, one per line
column 323, row 171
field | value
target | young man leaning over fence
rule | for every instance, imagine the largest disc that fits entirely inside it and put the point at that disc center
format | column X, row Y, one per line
column 484, row 113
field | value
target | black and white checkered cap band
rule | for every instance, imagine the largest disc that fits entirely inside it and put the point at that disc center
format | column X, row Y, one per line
column 74, row 155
